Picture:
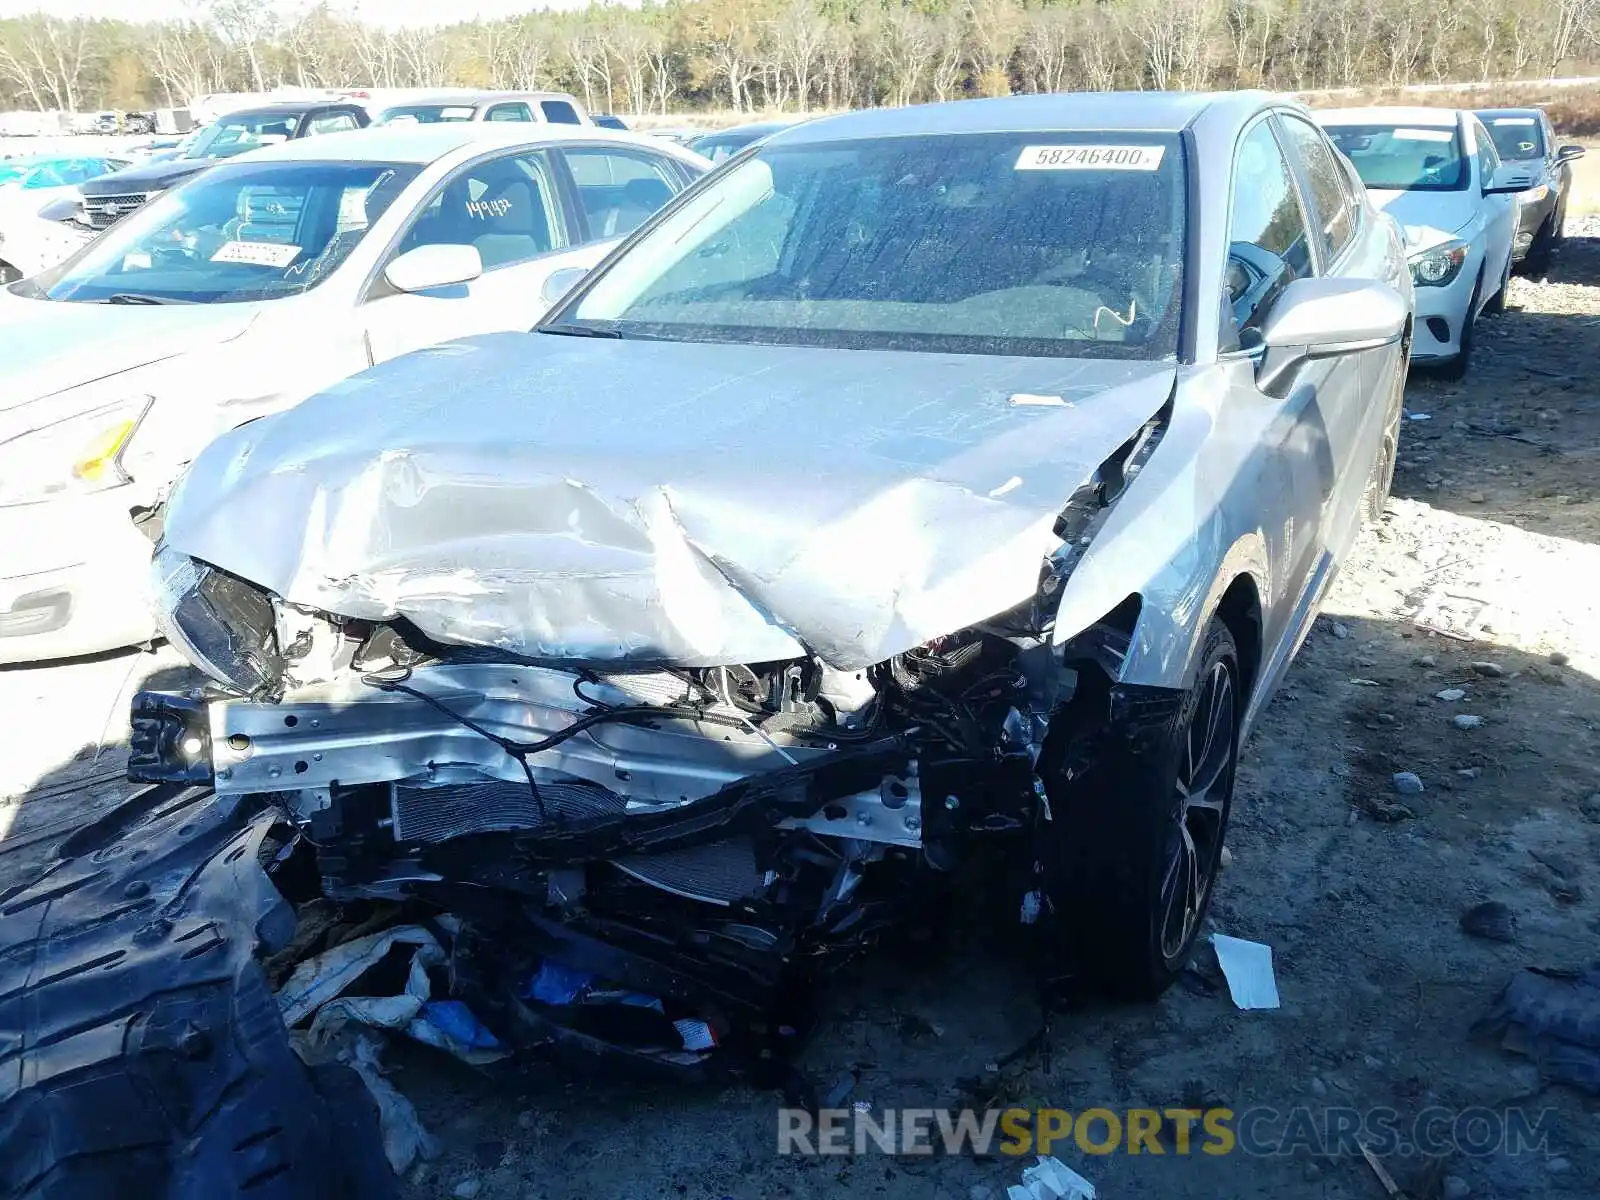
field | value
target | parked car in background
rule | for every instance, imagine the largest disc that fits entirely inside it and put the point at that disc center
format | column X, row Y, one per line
column 725, row 143
column 1526, row 142
column 926, row 478
column 547, row 108
column 158, row 149
column 1437, row 172
column 609, row 121
column 31, row 187
column 682, row 134
column 44, row 176
column 107, row 201
column 244, row 290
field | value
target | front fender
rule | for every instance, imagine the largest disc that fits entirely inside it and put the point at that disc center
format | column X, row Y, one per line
column 1189, row 525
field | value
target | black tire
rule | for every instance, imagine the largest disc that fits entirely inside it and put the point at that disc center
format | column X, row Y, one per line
column 1497, row 302
column 1537, row 261
column 1456, row 368
column 145, row 1054
column 1124, row 845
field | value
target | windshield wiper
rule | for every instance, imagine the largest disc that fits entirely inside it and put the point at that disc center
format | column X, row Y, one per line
column 138, row 298
column 580, row 331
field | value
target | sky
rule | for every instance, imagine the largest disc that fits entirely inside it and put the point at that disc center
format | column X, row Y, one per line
column 386, row 12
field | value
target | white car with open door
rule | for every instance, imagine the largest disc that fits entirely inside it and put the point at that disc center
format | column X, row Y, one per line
column 251, row 287
column 1436, row 172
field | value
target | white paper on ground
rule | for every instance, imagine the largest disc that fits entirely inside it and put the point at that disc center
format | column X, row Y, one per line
column 1051, row 1179
column 1247, row 966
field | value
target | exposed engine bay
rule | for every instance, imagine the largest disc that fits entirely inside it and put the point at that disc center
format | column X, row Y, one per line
column 742, row 822
column 726, row 830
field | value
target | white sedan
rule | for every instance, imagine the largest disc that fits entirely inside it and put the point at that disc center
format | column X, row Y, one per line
column 249, row 288
column 1436, row 172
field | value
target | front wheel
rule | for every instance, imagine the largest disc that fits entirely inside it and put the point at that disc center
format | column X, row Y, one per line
column 1456, row 368
column 1497, row 302
column 1544, row 243
column 1138, row 827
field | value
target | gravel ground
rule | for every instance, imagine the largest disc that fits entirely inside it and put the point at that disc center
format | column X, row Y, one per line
column 1488, row 555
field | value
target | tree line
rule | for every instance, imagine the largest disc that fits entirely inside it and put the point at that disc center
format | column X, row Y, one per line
column 746, row 55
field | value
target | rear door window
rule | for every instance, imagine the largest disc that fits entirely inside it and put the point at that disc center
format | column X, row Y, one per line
column 331, row 122
column 1331, row 201
column 619, row 190
column 510, row 112
column 559, row 112
column 1269, row 243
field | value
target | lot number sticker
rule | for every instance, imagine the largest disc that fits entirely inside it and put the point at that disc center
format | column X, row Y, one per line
column 1090, row 158
column 257, row 254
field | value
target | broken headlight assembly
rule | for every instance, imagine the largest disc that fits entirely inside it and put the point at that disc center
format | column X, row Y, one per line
column 221, row 624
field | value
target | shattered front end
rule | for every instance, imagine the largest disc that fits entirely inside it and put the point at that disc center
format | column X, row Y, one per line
column 708, row 834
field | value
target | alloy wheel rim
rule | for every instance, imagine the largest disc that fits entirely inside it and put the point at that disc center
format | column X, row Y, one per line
column 1205, row 771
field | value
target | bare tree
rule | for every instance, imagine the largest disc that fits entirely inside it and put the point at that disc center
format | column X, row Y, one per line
column 245, row 25
column 801, row 35
column 950, row 62
column 1048, row 49
column 908, row 42
column 732, row 45
column 48, row 59
column 994, row 29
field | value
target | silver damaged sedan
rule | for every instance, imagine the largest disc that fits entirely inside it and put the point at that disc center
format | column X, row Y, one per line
column 926, row 485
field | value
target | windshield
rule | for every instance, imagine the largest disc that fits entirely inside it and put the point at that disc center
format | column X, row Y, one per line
column 1019, row 244
column 426, row 114
column 1392, row 158
column 1518, row 139
column 242, row 132
column 250, row 231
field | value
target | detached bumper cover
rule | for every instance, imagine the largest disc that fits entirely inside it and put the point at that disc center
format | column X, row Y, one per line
column 141, row 1053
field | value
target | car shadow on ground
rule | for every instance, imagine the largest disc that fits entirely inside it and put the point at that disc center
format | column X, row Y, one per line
column 48, row 708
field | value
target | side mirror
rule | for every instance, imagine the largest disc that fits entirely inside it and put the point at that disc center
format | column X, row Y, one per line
column 430, row 267
column 558, row 283
column 1324, row 318
column 1499, row 186
column 1567, row 153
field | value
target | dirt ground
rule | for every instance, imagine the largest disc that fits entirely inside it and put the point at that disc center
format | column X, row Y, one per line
column 1489, row 554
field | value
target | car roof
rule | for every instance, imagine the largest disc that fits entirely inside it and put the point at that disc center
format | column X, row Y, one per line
column 472, row 99
column 285, row 108
column 1379, row 114
column 1144, row 112
column 1529, row 111
column 424, row 144
column 754, row 127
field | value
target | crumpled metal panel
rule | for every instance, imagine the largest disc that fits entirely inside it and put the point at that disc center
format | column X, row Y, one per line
column 664, row 502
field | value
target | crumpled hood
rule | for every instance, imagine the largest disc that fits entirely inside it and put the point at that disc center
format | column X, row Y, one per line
column 1427, row 218
column 47, row 347
column 661, row 502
